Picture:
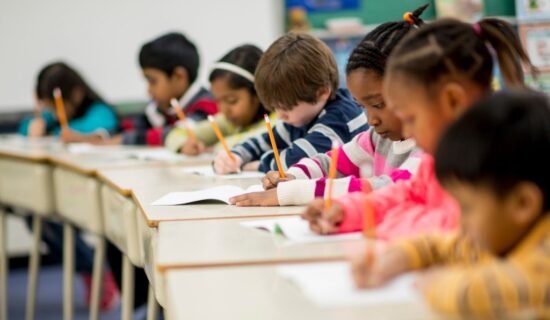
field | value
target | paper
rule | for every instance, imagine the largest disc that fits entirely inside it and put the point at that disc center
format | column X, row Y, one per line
column 295, row 229
column 151, row 154
column 221, row 194
column 331, row 285
column 207, row 171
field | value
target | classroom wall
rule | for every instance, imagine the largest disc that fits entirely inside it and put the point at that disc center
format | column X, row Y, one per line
column 102, row 38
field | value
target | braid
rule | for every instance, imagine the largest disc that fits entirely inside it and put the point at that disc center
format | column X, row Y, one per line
column 373, row 51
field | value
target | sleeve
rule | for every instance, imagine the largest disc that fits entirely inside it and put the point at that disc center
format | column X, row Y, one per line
column 499, row 288
column 359, row 150
column 303, row 191
column 203, row 131
column 98, row 117
column 253, row 148
column 329, row 127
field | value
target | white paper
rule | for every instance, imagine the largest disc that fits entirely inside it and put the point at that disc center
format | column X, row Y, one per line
column 161, row 154
column 331, row 285
column 221, row 193
column 207, row 171
column 297, row 230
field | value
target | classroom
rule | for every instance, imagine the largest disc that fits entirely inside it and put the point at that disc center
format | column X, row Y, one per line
column 275, row 159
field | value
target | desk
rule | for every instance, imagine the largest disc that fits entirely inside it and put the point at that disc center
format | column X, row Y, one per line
column 259, row 292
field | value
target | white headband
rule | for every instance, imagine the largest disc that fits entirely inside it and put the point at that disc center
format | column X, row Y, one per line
column 235, row 69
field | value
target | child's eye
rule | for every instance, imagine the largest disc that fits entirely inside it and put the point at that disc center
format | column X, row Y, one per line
column 380, row 105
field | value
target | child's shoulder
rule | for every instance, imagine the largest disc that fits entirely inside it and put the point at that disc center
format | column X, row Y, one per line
column 343, row 109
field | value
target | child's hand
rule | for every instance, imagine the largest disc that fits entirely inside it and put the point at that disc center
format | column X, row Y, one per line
column 68, row 136
column 223, row 164
column 373, row 269
column 263, row 199
column 321, row 221
column 192, row 147
column 272, row 179
column 37, row 128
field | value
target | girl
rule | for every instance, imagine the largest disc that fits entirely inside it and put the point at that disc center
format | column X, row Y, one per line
column 498, row 263
column 382, row 150
column 434, row 75
column 89, row 117
column 232, row 85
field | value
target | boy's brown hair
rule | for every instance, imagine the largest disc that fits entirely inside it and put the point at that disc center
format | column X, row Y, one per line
column 295, row 68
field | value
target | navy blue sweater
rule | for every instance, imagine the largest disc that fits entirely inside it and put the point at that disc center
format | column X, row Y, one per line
column 340, row 120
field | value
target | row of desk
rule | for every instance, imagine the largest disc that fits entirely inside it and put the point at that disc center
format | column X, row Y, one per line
column 200, row 262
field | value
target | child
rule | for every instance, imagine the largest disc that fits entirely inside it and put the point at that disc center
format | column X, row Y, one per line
column 88, row 115
column 170, row 65
column 232, row 85
column 297, row 76
column 382, row 150
column 89, row 118
column 494, row 161
column 434, row 74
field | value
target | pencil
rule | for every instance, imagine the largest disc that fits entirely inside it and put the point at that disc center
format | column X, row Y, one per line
column 220, row 137
column 182, row 118
column 60, row 108
column 331, row 174
column 274, row 146
column 369, row 223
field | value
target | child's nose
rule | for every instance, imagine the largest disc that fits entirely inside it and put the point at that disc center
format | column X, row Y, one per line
column 373, row 121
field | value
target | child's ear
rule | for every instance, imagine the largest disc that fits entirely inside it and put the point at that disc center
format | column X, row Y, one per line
column 323, row 94
column 453, row 98
column 180, row 76
column 525, row 203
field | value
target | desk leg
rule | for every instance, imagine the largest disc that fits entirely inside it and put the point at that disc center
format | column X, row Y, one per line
column 34, row 266
column 68, row 270
column 3, row 266
column 97, row 278
column 127, row 288
column 152, row 305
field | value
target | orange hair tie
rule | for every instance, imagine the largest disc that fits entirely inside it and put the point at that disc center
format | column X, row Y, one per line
column 408, row 16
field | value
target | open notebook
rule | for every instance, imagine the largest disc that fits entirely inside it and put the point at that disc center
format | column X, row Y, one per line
column 218, row 194
column 207, row 171
column 331, row 285
column 296, row 230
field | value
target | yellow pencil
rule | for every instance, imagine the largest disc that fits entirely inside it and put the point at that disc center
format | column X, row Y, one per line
column 60, row 108
column 182, row 118
column 220, row 137
column 331, row 174
column 274, row 146
column 369, row 222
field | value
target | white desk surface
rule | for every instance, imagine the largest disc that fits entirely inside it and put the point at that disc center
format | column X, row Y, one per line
column 209, row 243
column 147, row 184
column 259, row 292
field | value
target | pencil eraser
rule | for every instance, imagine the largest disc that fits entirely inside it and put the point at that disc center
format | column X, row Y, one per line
column 210, row 118
column 266, row 117
column 174, row 103
column 57, row 92
column 335, row 144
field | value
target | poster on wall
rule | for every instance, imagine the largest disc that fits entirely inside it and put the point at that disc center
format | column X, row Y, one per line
column 536, row 40
column 533, row 10
column 465, row 10
column 323, row 5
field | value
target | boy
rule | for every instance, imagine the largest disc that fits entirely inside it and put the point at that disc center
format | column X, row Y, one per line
column 494, row 161
column 298, row 78
column 170, row 65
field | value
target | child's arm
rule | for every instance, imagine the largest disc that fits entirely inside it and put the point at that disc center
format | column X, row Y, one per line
column 203, row 131
column 33, row 126
column 491, row 289
column 98, row 118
